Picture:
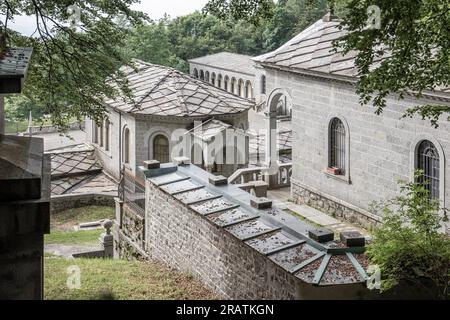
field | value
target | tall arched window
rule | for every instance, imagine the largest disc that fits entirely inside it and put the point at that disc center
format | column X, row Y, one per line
column 263, row 84
column 241, row 88
column 107, row 124
column 337, row 146
column 94, row 132
column 233, row 85
column 219, row 81
column 202, row 75
column 195, row 73
column 126, row 145
column 100, row 131
column 428, row 162
column 248, row 90
column 161, row 149
column 207, row 76
column 213, row 79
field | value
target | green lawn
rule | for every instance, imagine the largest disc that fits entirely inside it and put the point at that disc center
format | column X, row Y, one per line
column 120, row 280
column 73, row 237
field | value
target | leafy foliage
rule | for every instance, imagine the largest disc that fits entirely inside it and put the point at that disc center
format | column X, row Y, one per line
column 70, row 65
column 408, row 247
column 413, row 43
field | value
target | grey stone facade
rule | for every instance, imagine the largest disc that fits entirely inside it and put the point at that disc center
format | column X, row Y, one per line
column 381, row 149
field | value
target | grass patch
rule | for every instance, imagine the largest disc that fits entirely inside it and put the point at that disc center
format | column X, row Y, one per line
column 73, row 237
column 120, row 280
column 65, row 220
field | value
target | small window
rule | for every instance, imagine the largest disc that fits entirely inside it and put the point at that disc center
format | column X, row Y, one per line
column 100, row 130
column 263, row 84
column 226, row 83
column 428, row 162
column 94, row 132
column 337, row 146
column 161, row 149
column 195, row 73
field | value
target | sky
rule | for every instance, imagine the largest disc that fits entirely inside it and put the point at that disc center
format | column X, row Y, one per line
column 154, row 8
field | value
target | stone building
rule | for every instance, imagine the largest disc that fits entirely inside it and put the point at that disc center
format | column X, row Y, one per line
column 345, row 156
column 167, row 104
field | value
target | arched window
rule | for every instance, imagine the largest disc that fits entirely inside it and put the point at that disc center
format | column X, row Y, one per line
column 337, row 146
column 241, row 88
column 428, row 162
column 263, row 84
column 161, row 149
column 202, row 75
column 126, row 146
column 248, row 90
column 100, row 131
column 195, row 73
column 219, row 81
column 207, row 76
column 227, row 80
column 213, row 79
column 94, row 132
column 107, row 124
column 233, row 85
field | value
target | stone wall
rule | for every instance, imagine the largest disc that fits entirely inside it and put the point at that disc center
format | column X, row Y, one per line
column 64, row 202
column 333, row 207
column 182, row 239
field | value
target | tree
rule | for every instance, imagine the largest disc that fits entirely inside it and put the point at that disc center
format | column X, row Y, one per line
column 412, row 41
column 408, row 247
column 73, row 54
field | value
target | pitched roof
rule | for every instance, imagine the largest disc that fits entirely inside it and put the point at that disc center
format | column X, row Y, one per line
column 312, row 50
column 164, row 91
column 14, row 62
column 228, row 61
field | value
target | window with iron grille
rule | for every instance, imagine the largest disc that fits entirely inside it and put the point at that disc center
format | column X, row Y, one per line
column 428, row 162
column 161, row 149
column 337, row 145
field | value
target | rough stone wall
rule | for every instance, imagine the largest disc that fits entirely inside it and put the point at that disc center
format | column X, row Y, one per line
column 64, row 202
column 133, row 226
column 381, row 148
column 181, row 238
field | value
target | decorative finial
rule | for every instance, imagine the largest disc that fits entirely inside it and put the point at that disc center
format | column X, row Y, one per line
column 107, row 224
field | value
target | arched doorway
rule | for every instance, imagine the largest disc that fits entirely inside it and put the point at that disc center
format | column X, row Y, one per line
column 273, row 103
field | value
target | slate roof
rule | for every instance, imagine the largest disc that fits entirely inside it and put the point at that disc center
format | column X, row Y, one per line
column 14, row 62
column 75, row 170
column 312, row 49
column 228, row 61
column 274, row 233
column 164, row 91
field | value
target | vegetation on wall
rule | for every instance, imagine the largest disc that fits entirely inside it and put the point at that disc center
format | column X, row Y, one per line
column 409, row 247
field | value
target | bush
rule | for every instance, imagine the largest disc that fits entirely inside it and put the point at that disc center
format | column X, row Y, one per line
column 409, row 247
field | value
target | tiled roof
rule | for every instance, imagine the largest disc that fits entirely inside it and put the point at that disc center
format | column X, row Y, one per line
column 165, row 91
column 88, row 183
column 14, row 62
column 74, row 163
column 312, row 49
column 209, row 129
column 228, row 61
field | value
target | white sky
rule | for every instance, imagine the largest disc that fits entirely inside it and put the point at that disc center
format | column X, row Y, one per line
column 154, row 8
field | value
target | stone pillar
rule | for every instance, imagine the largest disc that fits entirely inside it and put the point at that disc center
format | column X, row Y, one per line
column 107, row 239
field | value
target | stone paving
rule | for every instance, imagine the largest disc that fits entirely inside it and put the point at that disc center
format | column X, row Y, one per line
column 280, row 198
